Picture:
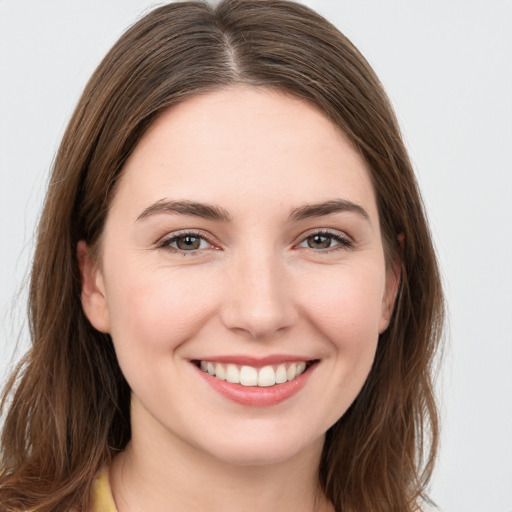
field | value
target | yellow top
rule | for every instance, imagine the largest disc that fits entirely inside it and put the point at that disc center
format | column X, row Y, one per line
column 102, row 499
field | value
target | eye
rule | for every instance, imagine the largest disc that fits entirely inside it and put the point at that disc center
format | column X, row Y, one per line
column 186, row 242
column 322, row 240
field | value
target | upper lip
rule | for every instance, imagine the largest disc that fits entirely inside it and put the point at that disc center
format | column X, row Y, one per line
column 255, row 361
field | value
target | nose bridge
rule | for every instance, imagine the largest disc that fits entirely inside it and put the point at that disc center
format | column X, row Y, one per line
column 259, row 301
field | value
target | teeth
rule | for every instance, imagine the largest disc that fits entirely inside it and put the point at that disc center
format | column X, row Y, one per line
column 281, row 374
column 266, row 376
column 292, row 371
column 249, row 376
column 219, row 372
column 232, row 374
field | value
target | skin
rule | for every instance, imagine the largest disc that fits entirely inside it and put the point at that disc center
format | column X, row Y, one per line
column 254, row 287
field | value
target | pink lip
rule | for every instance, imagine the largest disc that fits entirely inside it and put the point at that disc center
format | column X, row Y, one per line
column 256, row 396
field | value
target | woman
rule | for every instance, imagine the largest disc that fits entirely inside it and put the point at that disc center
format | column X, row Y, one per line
column 194, row 349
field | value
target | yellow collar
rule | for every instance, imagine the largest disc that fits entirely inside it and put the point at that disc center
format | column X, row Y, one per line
column 102, row 498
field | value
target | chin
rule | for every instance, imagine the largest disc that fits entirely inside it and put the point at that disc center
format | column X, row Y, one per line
column 264, row 450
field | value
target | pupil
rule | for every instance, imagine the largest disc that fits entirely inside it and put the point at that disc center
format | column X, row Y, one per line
column 319, row 242
column 188, row 242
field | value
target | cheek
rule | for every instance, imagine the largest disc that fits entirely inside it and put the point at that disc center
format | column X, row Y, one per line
column 345, row 312
column 346, row 304
column 156, row 310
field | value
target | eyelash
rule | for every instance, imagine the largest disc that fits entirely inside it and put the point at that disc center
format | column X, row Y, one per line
column 166, row 242
column 342, row 241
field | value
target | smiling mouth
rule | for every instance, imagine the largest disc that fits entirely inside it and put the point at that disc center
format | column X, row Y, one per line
column 250, row 376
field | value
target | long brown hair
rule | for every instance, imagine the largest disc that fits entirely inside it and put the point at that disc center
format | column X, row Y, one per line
column 67, row 405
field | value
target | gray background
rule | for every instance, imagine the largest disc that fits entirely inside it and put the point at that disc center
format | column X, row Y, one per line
column 447, row 66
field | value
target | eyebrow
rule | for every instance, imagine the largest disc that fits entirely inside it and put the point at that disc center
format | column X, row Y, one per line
column 212, row 212
column 203, row 210
column 327, row 208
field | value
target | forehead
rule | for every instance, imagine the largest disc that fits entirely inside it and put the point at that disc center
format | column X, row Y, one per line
column 245, row 145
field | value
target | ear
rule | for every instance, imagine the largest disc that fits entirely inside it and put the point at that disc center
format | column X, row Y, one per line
column 94, row 299
column 393, row 279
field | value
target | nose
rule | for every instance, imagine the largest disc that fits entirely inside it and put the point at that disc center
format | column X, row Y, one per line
column 259, row 300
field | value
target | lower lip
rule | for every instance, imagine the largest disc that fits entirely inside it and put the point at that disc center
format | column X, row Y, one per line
column 256, row 396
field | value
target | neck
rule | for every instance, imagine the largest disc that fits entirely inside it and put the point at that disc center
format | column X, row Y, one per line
column 168, row 474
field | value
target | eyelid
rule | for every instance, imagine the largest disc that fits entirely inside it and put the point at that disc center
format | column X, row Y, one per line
column 344, row 241
column 165, row 241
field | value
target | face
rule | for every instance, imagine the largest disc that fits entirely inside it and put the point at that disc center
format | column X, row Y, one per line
column 242, row 276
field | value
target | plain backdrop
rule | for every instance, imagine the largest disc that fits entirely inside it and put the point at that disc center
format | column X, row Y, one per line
column 447, row 67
